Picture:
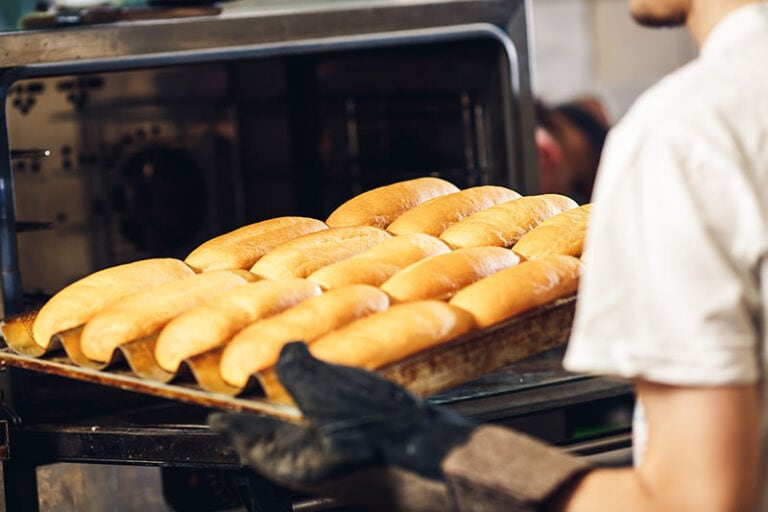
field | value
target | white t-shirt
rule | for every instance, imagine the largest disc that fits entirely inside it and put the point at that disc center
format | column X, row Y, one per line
column 675, row 285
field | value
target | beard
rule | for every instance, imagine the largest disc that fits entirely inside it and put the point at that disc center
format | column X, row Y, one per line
column 675, row 18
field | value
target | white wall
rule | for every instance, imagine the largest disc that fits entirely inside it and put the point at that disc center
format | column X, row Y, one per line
column 594, row 47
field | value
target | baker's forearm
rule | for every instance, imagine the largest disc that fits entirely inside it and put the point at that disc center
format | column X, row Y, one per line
column 608, row 490
column 499, row 469
column 703, row 455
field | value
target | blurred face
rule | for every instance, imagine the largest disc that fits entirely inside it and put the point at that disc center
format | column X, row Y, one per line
column 660, row 13
column 555, row 172
column 566, row 158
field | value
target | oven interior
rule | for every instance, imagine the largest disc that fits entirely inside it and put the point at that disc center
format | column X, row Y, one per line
column 152, row 162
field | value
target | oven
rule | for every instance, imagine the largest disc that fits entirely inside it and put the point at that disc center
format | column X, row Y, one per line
column 138, row 139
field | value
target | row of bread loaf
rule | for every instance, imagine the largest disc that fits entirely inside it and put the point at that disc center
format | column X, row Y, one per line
column 390, row 272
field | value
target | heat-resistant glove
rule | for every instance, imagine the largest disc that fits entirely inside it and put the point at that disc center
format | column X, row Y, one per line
column 367, row 441
column 353, row 419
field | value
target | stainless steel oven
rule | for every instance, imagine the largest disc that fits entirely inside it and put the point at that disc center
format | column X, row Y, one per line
column 136, row 139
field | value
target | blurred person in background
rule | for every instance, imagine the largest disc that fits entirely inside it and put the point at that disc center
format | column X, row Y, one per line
column 570, row 138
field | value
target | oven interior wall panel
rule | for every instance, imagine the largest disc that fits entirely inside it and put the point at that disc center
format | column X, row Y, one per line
column 152, row 162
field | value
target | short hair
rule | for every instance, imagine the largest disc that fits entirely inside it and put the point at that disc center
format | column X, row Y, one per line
column 594, row 128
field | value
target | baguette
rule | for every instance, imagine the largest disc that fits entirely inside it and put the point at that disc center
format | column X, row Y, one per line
column 515, row 290
column 392, row 335
column 242, row 247
column 434, row 216
column 380, row 206
column 146, row 312
column 563, row 233
column 379, row 263
column 440, row 277
column 258, row 346
column 215, row 321
column 80, row 301
column 503, row 225
column 303, row 255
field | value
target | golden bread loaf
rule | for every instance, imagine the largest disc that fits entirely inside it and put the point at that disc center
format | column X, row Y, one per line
column 514, row 290
column 80, row 301
column 258, row 346
column 379, row 263
column 563, row 233
column 503, row 224
column 440, row 277
column 306, row 254
column 435, row 215
column 215, row 321
column 146, row 312
column 242, row 247
column 393, row 334
column 380, row 206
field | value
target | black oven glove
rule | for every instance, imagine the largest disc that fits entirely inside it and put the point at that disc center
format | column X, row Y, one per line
column 368, row 442
column 354, row 419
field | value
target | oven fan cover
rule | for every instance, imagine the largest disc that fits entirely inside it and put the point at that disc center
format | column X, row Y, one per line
column 159, row 198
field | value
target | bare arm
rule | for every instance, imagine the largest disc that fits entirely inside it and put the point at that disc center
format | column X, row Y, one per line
column 703, row 455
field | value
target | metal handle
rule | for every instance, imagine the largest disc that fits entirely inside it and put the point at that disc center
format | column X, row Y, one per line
column 29, row 153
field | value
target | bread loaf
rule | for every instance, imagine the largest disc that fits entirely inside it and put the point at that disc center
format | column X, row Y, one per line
column 303, row 255
column 563, row 233
column 503, row 224
column 146, row 312
column 379, row 263
column 380, row 206
column 520, row 288
column 258, row 346
column 242, row 247
column 440, row 277
column 77, row 303
column 434, row 216
column 392, row 335
column 215, row 321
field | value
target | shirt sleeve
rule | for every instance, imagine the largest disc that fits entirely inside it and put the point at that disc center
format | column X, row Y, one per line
column 669, row 291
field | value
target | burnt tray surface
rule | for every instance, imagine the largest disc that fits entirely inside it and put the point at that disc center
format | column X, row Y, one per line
column 442, row 367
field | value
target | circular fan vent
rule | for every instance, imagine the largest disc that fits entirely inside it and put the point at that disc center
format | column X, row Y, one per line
column 159, row 198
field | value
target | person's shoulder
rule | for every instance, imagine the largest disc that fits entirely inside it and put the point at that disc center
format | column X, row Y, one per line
column 702, row 95
column 670, row 98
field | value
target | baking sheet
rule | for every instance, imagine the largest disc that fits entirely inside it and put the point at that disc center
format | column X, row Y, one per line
column 441, row 367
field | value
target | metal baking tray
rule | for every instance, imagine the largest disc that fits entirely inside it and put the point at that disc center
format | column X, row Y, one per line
column 460, row 360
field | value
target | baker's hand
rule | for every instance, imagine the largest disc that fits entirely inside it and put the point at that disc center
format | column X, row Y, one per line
column 354, row 419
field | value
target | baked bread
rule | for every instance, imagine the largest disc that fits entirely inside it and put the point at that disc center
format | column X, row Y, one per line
column 434, row 216
column 563, row 233
column 393, row 334
column 303, row 255
column 380, row 206
column 514, row 290
column 242, row 247
column 146, row 312
column 440, row 277
column 78, row 302
column 503, row 224
column 215, row 321
column 379, row 263
column 258, row 346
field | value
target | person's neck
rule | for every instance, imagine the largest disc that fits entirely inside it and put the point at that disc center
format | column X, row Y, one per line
column 705, row 14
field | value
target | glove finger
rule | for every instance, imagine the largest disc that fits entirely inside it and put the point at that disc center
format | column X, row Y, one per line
column 294, row 455
column 246, row 431
column 332, row 393
column 249, row 427
column 270, row 445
